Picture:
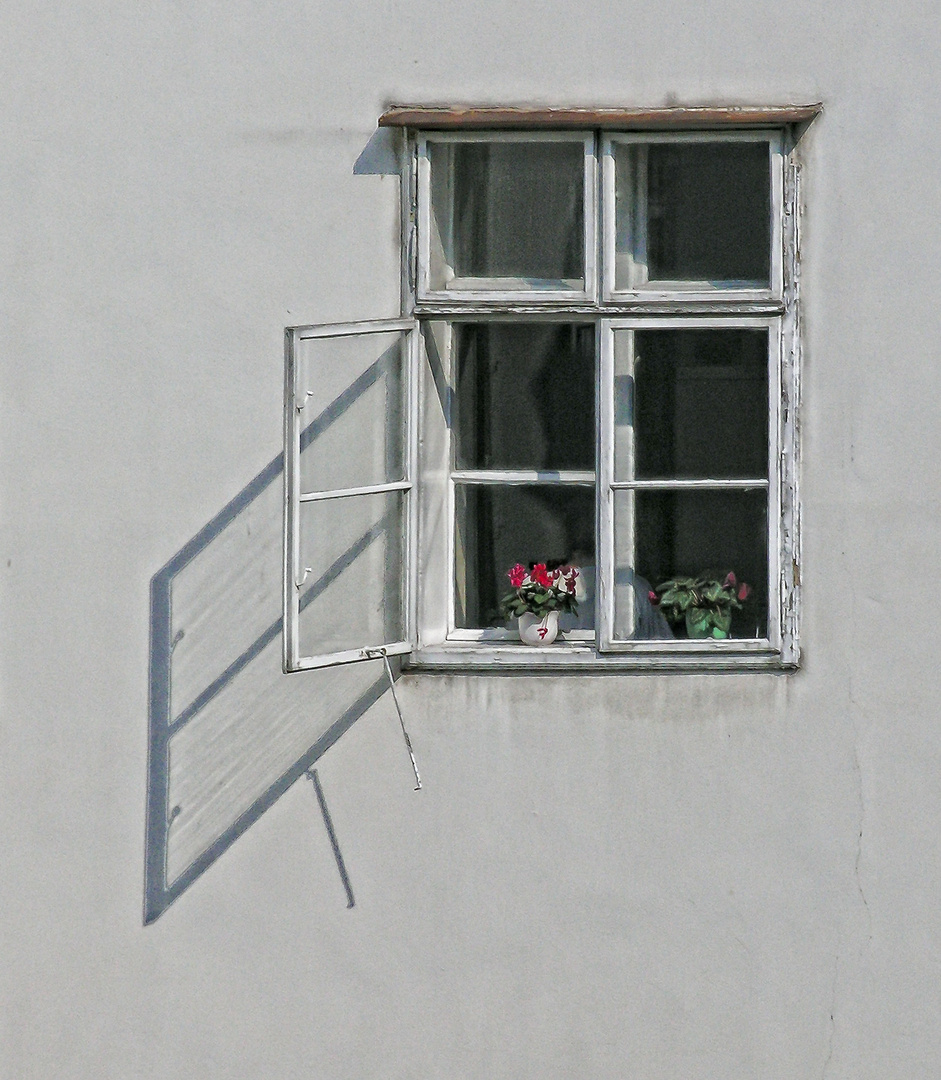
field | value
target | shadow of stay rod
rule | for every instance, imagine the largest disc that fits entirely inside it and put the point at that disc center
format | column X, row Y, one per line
column 311, row 775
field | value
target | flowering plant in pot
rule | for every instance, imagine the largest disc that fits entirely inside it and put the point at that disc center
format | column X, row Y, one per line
column 537, row 598
column 704, row 603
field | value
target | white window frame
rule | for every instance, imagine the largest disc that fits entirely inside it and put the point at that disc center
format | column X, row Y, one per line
column 506, row 294
column 651, row 294
column 608, row 485
column 295, row 396
column 442, row 646
column 433, row 641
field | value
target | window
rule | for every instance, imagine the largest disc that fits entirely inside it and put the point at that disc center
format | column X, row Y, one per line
column 598, row 368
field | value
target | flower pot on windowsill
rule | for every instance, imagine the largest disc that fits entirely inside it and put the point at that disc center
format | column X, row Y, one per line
column 539, row 629
column 539, row 596
column 704, row 604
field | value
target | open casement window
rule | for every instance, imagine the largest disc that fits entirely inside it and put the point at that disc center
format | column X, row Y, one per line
column 350, row 402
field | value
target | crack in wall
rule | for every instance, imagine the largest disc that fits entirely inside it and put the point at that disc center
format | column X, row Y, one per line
column 831, row 1029
column 861, row 802
column 861, row 808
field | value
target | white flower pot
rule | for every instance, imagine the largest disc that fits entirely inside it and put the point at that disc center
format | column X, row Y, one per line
column 539, row 629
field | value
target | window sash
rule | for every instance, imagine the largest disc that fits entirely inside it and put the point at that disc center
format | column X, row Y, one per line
column 503, row 291
column 295, row 498
column 608, row 485
column 660, row 292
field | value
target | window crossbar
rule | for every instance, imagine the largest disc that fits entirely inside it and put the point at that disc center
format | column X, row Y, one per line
column 523, row 476
column 687, row 485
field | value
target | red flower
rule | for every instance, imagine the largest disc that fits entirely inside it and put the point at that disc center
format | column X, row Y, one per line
column 743, row 591
column 517, row 575
column 730, row 579
column 652, row 597
column 541, row 576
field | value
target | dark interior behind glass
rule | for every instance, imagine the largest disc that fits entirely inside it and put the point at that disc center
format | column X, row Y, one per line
column 524, row 396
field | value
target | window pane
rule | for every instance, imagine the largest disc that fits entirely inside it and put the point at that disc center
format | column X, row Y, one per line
column 691, row 404
column 353, row 422
column 507, row 211
column 661, row 535
column 524, row 396
column 694, row 214
column 354, row 594
column 499, row 526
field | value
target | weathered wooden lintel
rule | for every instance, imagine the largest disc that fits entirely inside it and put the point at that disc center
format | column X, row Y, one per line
column 447, row 118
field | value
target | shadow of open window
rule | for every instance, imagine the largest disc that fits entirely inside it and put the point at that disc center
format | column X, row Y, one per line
column 229, row 732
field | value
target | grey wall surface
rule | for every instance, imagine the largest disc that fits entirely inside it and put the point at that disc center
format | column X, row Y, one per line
column 653, row 877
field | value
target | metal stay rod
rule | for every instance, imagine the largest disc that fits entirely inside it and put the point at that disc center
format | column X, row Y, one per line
column 408, row 741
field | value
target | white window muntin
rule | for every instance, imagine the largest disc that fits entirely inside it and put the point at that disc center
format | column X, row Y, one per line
column 294, row 497
column 503, row 291
column 690, row 294
column 607, row 485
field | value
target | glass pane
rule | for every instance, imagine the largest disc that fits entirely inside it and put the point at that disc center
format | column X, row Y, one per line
column 691, row 404
column 524, row 396
column 499, row 526
column 661, row 535
column 353, row 422
column 354, row 593
column 507, row 212
column 693, row 215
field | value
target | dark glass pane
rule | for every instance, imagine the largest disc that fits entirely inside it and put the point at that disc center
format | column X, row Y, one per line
column 684, row 533
column 499, row 526
column 508, row 210
column 700, row 407
column 524, row 396
column 708, row 213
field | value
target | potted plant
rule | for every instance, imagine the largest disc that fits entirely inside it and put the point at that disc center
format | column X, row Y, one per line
column 704, row 603
column 538, row 596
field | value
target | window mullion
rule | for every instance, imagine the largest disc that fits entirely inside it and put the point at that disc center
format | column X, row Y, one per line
column 604, row 610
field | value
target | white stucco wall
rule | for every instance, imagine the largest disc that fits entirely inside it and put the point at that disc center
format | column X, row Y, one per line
column 675, row 877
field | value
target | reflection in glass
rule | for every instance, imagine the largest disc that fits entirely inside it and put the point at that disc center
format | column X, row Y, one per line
column 682, row 534
column 693, row 214
column 507, row 211
column 353, row 595
column 353, row 421
column 524, row 396
column 499, row 526
column 691, row 404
